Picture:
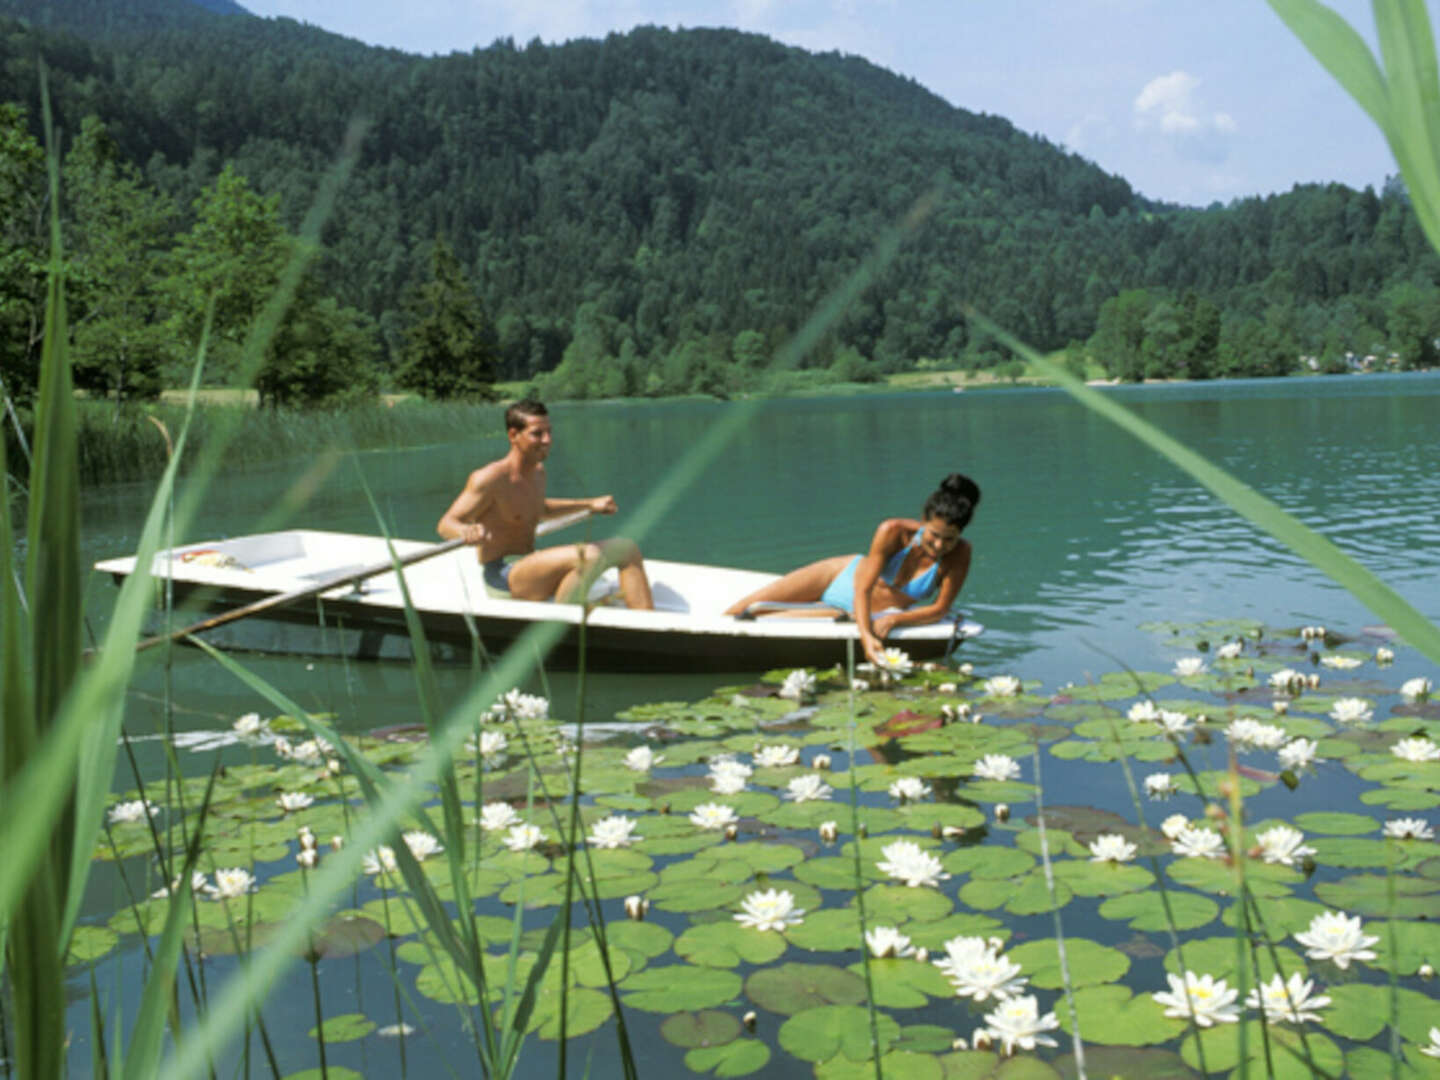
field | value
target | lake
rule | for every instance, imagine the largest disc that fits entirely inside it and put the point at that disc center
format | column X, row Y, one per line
column 1083, row 540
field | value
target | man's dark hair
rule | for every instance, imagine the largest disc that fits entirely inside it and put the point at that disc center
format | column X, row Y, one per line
column 519, row 414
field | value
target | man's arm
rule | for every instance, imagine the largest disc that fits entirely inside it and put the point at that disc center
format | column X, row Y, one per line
column 602, row 504
column 461, row 521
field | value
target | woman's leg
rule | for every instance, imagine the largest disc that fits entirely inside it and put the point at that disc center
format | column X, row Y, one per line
column 805, row 585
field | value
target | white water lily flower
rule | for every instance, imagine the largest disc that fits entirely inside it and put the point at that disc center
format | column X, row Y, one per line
column 307, row 857
column 1409, row 829
column 523, row 837
column 281, row 746
column 776, row 757
column 895, row 663
column 1160, row 785
column 829, row 832
column 232, row 883
column 1174, row 825
column 1333, row 935
column 136, row 810
column 1297, row 754
column 1287, row 680
column 1002, row 686
column 1144, row 712
column 1174, row 723
column 1340, row 663
column 1247, row 733
column 199, row 884
column 886, row 941
column 1187, row 666
column 985, row 974
column 728, row 776
column 491, row 745
column 521, row 706
column 997, row 767
column 1283, row 844
column 1211, row 1000
column 1195, row 843
column 906, row 861
column 290, row 801
column 961, row 951
column 1112, row 847
column 1287, row 1000
column 1418, row 748
column 1231, row 650
column 909, row 789
column 808, row 788
column 642, row 759
column 250, row 726
column 309, row 752
column 727, row 784
column 615, row 831
column 713, row 816
column 1413, row 690
column 394, row 1031
column 773, row 909
column 1017, row 1023
column 1433, row 1050
column 421, row 844
column 381, row 860
column 1351, row 710
column 495, row 816
column 798, row 685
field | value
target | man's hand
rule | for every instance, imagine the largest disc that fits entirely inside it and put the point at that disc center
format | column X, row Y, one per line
column 472, row 533
column 605, row 504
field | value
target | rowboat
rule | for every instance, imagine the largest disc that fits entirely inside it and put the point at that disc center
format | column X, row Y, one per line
column 688, row 629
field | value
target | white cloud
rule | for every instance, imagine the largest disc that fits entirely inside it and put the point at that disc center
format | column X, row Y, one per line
column 1173, row 105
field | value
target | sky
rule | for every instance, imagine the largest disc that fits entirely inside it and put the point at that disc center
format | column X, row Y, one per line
column 1191, row 101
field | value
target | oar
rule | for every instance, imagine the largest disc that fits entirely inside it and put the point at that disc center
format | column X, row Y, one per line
column 348, row 578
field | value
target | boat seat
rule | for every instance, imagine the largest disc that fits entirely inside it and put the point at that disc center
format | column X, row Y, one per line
column 805, row 608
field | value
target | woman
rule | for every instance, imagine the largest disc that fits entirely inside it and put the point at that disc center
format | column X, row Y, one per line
column 913, row 571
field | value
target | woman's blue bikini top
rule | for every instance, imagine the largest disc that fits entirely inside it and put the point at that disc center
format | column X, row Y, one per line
column 922, row 586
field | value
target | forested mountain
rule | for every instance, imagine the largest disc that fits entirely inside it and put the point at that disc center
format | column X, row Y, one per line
column 654, row 212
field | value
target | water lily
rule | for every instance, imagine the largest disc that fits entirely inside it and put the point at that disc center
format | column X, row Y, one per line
column 808, row 788
column 728, row 776
column 1333, row 935
column 985, row 974
column 495, row 816
column 713, row 816
column 1287, row 681
column 1187, row 666
column 1409, row 829
column 1283, row 844
column 1174, row 723
column 1247, row 733
column 1017, row 1023
column 381, row 860
column 1002, row 686
column 829, row 832
column 290, row 801
column 1209, row 998
column 1289, row 1000
column 520, row 706
column 615, row 831
column 1195, row 843
column 997, row 767
column 199, row 884
column 1351, row 710
column 773, row 909
column 491, row 745
column 798, row 685
column 1160, row 785
column 309, row 752
column 250, row 726
column 136, row 810
column 1112, row 847
column 1418, row 748
column 1338, row 662
column 909, row 789
column 1231, row 650
column 895, row 663
column 906, row 861
column 642, row 759
column 1298, row 754
column 636, row 907
column 1433, row 1050
column 524, row 836
column 1143, row 712
column 307, row 857
column 421, row 844
column 1413, row 690
column 232, row 883
column 886, row 941
column 961, row 951
column 776, row 757
column 1174, row 825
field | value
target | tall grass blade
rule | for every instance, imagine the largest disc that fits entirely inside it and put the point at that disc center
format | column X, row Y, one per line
column 1407, row 46
column 1409, row 624
column 1341, row 51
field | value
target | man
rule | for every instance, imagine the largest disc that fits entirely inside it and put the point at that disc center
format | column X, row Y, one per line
column 503, row 502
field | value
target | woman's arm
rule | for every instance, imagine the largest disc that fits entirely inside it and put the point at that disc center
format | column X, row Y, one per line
column 888, row 539
column 954, row 569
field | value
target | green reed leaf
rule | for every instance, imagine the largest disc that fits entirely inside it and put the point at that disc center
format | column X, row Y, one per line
column 1341, row 51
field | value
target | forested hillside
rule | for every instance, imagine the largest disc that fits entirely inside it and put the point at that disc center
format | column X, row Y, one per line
column 654, row 212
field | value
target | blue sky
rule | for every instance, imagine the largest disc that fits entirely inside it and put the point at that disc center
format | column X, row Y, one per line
column 1192, row 101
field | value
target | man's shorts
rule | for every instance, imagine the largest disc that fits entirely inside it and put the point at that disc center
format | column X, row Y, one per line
column 496, row 574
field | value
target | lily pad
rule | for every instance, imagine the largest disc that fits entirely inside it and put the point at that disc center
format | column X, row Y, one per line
column 1216, row 956
column 1114, row 1016
column 727, row 944
column 836, row 872
column 585, row 1011
column 793, row 988
column 1336, row 823
column 645, row 939
column 827, row 930
column 346, row 1027
column 1027, row 895
column 1217, row 876
column 988, row 861
column 986, row 1065
column 1089, row 962
column 1088, row 878
column 1146, row 910
column 1360, row 1011
column 821, row 1032
column 896, row 1062
column 1288, row 1055
column 679, row 988
column 890, row 903
column 739, row 1058
column 1369, row 894
column 91, row 942
column 933, row 936
column 709, row 1027
column 904, row 982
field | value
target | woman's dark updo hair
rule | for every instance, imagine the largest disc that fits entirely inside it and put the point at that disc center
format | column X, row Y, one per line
column 954, row 500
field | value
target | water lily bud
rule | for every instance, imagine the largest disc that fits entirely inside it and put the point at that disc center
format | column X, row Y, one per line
column 859, row 685
column 732, row 831
column 864, row 831
column 749, row 1020
column 981, row 1039
column 947, row 713
column 952, row 832
column 1313, row 680
column 947, row 688
column 1202, row 718
column 962, row 709
column 936, row 831
column 307, row 857
column 1002, row 811
column 922, row 954
column 829, row 831
column 1226, row 788
column 1281, row 707
column 1425, row 971
column 959, row 1044
column 332, row 766
column 929, row 665
column 636, row 907
column 1308, row 864
column 1384, row 655
column 1214, row 811
column 967, row 669
column 820, row 762
column 337, row 842
column 975, row 718
column 664, row 808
